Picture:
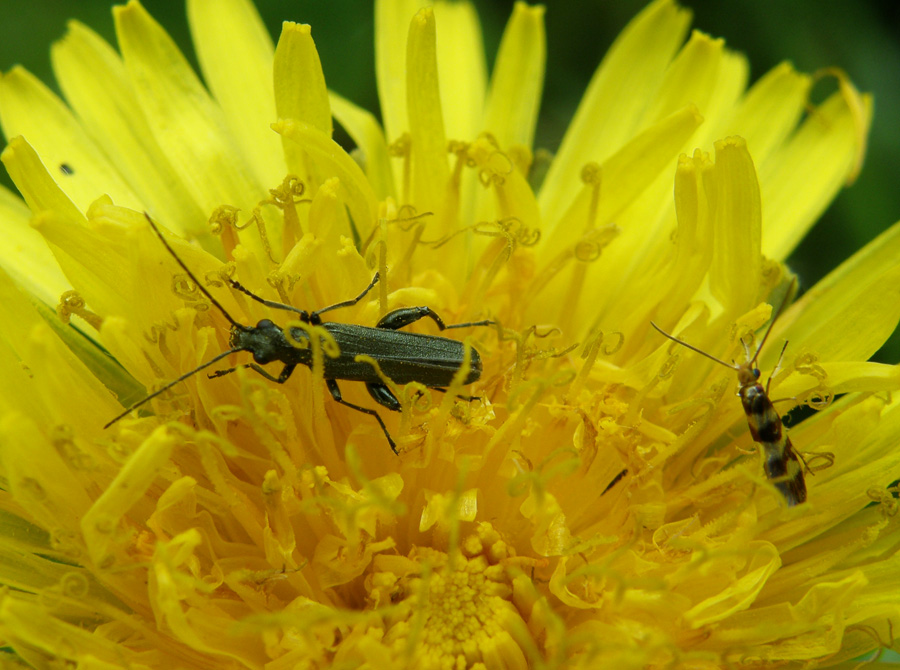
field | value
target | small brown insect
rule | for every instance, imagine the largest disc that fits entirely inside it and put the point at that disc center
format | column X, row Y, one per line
column 782, row 463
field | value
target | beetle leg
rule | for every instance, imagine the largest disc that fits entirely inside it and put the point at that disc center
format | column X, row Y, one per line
column 383, row 396
column 336, row 394
column 467, row 398
column 280, row 379
column 469, row 324
column 407, row 315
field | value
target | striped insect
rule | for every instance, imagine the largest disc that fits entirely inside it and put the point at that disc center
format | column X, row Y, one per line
column 782, row 464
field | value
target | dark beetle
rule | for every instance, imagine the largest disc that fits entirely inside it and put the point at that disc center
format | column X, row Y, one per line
column 403, row 357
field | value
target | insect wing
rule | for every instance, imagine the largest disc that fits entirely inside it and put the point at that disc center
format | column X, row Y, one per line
column 403, row 357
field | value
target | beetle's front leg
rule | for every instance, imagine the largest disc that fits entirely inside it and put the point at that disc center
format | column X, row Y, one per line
column 280, row 379
column 222, row 373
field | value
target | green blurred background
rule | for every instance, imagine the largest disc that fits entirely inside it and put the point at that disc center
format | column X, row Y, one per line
column 860, row 36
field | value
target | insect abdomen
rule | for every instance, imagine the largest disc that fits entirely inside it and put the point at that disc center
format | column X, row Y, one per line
column 783, row 468
column 781, row 463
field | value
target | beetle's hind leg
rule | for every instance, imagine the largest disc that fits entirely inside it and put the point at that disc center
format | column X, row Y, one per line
column 336, row 394
column 400, row 318
column 383, row 396
column 471, row 324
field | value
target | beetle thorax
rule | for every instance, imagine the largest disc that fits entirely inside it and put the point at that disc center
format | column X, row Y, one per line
column 265, row 341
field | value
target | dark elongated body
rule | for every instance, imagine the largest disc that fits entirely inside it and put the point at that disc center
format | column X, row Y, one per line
column 402, row 357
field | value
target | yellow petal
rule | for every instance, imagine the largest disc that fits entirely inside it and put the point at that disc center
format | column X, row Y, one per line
column 769, row 113
column 625, row 174
column 827, row 145
column 39, row 189
column 462, row 72
column 102, row 524
column 736, row 212
column 518, row 78
column 28, row 108
column 612, row 106
column 744, row 585
column 300, row 92
column 692, row 78
column 25, row 256
column 96, row 85
column 363, row 128
column 235, row 53
column 188, row 125
column 331, row 159
column 693, row 239
column 35, row 627
column 430, row 167
column 849, row 322
column 448, row 509
column 22, row 323
column 391, row 33
column 849, row 314
column 843, row 377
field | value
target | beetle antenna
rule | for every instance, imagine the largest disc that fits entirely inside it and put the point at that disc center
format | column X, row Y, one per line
column 170, row 385
column 190, row 274
column 693, row 348
column 778, row 313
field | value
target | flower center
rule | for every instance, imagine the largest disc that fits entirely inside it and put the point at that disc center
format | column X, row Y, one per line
column 456, row 611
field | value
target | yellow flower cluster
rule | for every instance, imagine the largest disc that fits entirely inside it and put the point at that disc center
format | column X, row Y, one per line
column 594, row 499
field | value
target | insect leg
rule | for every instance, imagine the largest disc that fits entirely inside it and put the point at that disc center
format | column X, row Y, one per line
column 383, row 396
column 403, row 317
column 467, row 398
column 222, row 373
column 280, row 379
column 400, row 318
column 336, row 394
column 469, row 324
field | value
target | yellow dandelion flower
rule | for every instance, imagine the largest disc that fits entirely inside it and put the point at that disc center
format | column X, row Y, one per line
column 585, row 492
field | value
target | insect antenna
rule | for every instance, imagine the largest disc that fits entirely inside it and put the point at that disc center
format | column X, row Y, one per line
column 170, row 385
column 215, row 302
column 778, row 313
column 693, row 348
column 190, row 274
